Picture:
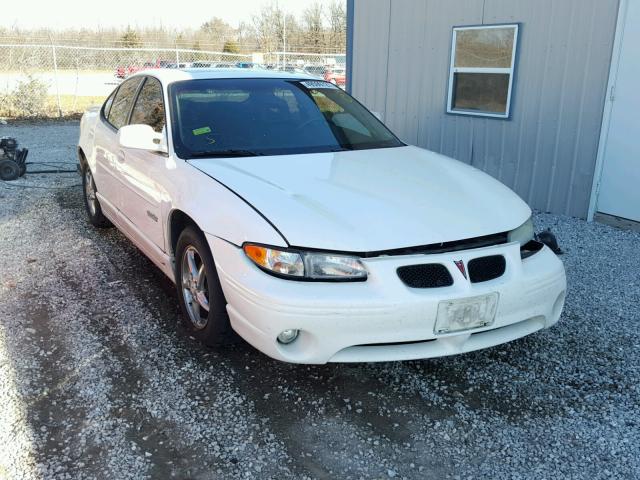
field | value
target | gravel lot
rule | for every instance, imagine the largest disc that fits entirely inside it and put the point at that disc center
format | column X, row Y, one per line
column 99, row 380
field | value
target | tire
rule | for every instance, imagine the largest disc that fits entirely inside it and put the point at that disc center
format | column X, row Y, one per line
column 202, row 301
column 91, row 203
column 9, row 170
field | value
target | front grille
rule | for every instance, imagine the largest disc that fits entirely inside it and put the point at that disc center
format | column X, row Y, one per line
column 430, row 275
column 483, row 269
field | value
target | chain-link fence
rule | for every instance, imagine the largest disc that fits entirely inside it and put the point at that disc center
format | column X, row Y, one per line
column 58, row 80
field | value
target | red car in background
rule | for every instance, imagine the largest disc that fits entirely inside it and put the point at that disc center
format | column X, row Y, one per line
column 336, row 75
column 124, row 72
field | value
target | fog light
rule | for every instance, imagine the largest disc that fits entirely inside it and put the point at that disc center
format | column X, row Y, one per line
column 288, row 336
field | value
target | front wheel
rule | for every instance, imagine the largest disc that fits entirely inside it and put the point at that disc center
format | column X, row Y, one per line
column 199, row 292
column 91, row 203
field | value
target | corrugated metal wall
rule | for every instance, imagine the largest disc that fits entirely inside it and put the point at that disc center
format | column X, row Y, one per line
column 546, row 152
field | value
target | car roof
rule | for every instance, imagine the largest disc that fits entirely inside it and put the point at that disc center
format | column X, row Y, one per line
column 170, row 75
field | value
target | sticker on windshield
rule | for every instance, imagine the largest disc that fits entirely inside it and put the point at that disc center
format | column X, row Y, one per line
column 317, row 84
column 201, row 131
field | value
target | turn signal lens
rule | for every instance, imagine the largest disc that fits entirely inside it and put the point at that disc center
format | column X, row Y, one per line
column 309, row 265
column 257, row 254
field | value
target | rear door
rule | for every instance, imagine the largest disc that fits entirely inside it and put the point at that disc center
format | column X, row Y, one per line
column 114, row 115
column 141, row 172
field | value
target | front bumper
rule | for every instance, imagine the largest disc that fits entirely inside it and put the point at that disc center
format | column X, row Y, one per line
column 382, row 319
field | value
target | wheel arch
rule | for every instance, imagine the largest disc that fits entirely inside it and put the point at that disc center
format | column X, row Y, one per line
column 178, row 221
column 214, row 210
column 82, row 158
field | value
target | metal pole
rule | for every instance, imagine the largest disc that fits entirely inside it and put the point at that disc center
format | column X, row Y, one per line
column 55, row 70
column 284, row 42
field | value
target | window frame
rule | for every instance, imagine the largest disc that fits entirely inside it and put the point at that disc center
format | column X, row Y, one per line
column 104, row 113
column 500, row 70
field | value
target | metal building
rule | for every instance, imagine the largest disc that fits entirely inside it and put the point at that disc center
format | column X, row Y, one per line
column 541, row 94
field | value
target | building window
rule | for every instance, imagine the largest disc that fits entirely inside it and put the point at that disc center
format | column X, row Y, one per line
column 481, row 71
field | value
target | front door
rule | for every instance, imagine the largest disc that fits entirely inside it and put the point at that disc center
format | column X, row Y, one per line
column 141, row 172
column 619, row 192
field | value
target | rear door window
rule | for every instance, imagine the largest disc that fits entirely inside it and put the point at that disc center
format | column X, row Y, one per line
column 119, row 112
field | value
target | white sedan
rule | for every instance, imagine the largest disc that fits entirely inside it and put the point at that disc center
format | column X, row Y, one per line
column 285, row 211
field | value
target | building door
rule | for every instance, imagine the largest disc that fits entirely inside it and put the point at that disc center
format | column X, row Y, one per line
column 619, row 192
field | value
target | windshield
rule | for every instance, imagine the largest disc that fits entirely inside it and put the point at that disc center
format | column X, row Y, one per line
column 258, row 116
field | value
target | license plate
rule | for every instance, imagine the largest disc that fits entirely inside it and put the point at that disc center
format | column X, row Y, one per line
column 466, row 313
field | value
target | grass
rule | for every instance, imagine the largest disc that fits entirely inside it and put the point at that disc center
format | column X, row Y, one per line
column 71, row 106
column 61, row 71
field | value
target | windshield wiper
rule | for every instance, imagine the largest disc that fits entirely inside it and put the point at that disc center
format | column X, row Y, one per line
column 225, row 153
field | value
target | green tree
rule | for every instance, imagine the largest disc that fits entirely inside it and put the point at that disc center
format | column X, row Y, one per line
column 130, row 39
column 231, row 46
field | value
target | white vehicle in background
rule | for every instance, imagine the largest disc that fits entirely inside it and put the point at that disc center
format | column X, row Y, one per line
column 224, row 65
column 316, row 71
column 180, row 65
column 201, row 64
column 284, row 210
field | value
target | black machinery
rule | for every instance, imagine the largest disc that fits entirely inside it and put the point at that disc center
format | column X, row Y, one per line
column 13, row 164
column 12, row 159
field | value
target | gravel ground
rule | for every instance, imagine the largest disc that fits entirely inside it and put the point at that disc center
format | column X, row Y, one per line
column 99, row 380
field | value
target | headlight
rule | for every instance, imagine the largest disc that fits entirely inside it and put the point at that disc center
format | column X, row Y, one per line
column 523, row 234
column 306, row 265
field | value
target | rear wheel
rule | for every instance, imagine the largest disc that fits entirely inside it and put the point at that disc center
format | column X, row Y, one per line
column 201, row 298
column 91, row 203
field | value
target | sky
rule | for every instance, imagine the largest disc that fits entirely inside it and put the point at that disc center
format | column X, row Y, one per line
column 61, row 14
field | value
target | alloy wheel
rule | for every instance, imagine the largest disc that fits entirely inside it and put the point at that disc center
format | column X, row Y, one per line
column 90, row 192
column 195, row 289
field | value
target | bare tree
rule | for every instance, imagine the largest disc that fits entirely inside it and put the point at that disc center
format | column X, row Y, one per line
column 321, row 28
column 313, row 27
column 337, row 19
column 263, row 29
column 245, row 37
column 216, row 32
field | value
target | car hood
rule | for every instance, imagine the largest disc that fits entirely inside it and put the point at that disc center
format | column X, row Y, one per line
column 370, row 200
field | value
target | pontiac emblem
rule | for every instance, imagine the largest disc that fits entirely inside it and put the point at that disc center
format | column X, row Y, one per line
column 460, row 265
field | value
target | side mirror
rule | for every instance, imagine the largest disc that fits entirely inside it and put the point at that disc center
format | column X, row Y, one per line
column 141, row 137
column 378, row 115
